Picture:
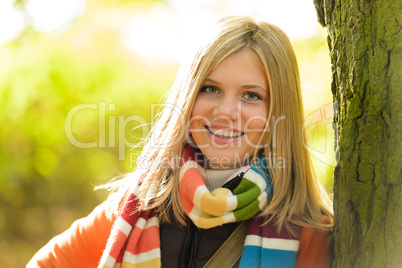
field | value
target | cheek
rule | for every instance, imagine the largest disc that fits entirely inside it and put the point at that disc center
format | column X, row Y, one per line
column 199, row 116
column 255, row 119
column 195, row 114
column 197, row 108
column 202, row 109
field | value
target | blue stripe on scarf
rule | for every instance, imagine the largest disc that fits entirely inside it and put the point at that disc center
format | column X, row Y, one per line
column 270, row 257
column 251, row 257
column 261, row 168
column 278, row 258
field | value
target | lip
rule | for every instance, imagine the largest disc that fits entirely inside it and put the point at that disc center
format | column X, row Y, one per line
column 223, row 127
column 221, row 140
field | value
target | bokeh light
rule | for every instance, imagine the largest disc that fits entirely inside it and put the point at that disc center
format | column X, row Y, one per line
column 48, row 15
column 12, row 21
column 171, row 29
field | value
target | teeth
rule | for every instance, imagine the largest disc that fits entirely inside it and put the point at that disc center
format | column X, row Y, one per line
column 224, row 133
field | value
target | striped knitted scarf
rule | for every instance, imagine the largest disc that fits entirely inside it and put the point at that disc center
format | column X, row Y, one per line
column 134, row 240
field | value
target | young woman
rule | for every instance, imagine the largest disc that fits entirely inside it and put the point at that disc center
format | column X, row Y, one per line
column 227, row 153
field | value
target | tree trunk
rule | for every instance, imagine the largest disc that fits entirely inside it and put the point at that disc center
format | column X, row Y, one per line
column 364, row 38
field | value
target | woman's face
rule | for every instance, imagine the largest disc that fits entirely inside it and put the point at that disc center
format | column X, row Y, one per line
column 230, row 111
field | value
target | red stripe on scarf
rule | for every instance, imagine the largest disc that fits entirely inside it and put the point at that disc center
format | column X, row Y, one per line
column 127, row 212
column 142, row 241
column 120, row 239
column 270, row 230
column 193, row 154
column 189, row 183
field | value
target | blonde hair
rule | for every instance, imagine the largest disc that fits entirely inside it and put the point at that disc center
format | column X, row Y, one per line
column 297, row 196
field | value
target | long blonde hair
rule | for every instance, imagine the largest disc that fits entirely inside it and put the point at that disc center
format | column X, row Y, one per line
column 297, row 196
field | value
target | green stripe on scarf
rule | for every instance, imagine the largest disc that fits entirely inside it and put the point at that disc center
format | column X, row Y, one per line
column 246, row 192
column 247, row 212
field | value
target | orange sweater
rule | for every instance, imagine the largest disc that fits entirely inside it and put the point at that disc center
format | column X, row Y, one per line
column 83, row 243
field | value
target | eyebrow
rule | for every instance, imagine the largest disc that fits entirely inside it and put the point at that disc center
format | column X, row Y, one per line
column 243, row 86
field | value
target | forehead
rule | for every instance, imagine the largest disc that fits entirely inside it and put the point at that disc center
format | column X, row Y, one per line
column 241, row 66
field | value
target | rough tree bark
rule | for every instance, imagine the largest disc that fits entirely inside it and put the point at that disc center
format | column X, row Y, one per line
column 365, row 41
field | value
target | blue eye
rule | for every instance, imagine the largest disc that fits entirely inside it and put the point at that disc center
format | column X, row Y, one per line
column 209, row 89
column 252, row 96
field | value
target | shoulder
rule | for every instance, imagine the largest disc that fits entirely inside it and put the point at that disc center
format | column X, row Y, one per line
column 315, row 246
column 81, row 244
column 310, row 234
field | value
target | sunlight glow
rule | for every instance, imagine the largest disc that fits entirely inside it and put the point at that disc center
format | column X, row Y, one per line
column 296, row 17
column 165, row 35
column 12, row 21
column 48, row 15
column 170, row 30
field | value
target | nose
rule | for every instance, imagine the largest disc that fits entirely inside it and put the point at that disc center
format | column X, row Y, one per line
column 228, row 109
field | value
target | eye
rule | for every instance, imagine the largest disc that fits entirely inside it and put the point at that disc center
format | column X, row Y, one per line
column 209, row 89
column 252, row 96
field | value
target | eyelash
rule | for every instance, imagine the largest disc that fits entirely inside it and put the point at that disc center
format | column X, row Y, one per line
column 256, row 96
column 205, row 88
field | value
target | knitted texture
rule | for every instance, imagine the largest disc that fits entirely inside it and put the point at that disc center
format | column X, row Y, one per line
column 210, row 209
column 134, row 240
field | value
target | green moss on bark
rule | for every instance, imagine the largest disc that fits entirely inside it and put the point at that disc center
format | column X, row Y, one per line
column 365, row 47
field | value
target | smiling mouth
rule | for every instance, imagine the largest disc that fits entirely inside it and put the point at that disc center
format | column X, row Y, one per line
column 227, row 134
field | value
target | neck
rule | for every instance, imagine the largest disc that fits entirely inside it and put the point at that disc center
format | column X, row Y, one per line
column 217, row 178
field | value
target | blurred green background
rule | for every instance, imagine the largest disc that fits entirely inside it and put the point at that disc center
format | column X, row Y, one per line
column 91, row 61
